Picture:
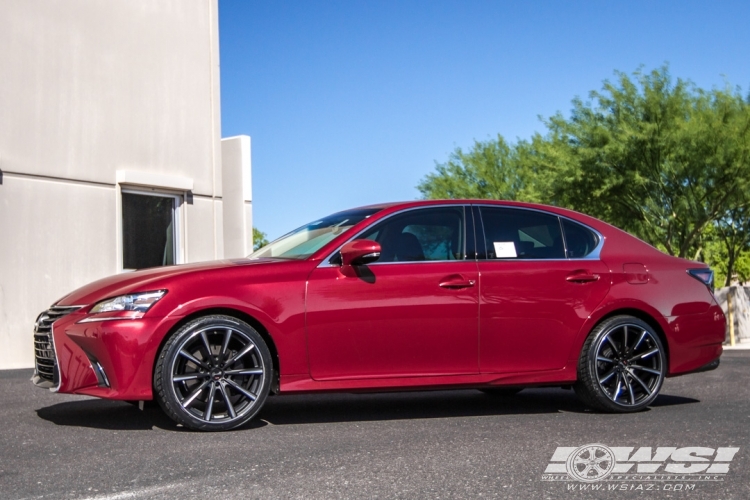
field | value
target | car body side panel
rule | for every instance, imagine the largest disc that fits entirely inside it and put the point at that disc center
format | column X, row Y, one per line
column 395, row 320
column 530, row 314
column 685, row 309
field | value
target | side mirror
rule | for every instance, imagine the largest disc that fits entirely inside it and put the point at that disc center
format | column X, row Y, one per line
column 360, row 252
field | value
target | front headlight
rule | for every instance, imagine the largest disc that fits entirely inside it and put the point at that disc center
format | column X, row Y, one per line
column 131, row 306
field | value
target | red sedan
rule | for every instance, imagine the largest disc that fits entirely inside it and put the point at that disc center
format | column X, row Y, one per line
column 453, row 294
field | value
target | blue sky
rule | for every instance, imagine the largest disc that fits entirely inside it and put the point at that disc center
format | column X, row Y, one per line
column 350, row 102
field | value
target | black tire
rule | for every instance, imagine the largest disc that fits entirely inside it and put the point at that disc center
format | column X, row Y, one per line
column 213, row 374
column 501, row 392
column 622, row 366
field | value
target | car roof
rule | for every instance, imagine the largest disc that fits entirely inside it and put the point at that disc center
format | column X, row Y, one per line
column 398, row 205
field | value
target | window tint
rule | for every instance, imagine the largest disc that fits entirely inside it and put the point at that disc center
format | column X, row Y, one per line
column 579, row 240
column 523, row 234
column 419, row 235
column 148, row 231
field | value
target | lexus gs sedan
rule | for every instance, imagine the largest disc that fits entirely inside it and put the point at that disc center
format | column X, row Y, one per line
column 486, row 295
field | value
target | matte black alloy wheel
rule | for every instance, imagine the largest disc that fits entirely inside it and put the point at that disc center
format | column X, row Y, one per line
column 213, row 374
column 622, row 365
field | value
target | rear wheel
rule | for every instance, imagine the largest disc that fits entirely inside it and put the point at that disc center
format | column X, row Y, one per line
column 213, row 374
column 622, row 365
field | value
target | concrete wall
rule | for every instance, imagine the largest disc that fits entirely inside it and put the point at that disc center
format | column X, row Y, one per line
column 741, row 311
column 237, row 199
column 97, row 96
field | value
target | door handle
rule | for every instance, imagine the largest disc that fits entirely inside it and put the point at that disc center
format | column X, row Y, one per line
column 455, row 283
column 582, row 277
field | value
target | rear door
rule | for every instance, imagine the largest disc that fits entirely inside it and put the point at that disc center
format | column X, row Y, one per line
column 535, row 291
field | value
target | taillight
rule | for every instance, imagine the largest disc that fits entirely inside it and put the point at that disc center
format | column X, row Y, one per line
column 704, row 275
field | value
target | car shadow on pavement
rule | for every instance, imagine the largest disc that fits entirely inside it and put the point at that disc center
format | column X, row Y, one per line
column 113, row 415
column 305, row 409
column 338, row 407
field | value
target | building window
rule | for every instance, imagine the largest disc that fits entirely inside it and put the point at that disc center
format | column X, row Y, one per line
column 149, row 230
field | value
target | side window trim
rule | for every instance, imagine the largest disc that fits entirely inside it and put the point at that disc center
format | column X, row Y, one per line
column 470, row 232
column 479, row 232
column 330, row 260
column 595, row 254
column 562, row 234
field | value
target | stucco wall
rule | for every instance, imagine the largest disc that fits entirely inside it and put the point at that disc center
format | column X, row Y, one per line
column 90, row 88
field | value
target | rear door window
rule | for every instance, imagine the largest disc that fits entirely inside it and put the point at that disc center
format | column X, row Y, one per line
column 512, row 233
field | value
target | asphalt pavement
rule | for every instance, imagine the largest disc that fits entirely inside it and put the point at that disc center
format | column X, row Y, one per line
column 432, row 445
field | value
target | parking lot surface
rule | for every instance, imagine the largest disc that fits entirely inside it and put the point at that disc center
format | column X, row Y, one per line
column 437, row 444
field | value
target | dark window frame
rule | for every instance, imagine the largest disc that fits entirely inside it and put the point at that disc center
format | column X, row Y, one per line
column 176, row 221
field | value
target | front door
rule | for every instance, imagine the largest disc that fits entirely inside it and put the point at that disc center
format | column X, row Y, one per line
column 413, row 312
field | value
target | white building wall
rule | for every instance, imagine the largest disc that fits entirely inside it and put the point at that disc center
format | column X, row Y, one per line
column 237, row 196
column 90, row 88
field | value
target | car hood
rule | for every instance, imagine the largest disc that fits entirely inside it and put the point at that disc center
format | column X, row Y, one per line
column 146, row 280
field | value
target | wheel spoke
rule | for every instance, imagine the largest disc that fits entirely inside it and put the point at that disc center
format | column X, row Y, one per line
column 644, row 354
column 195, row 360
column 629, row 387
column 244, row 351
column 189, row 376
column 189, row 400
column 643, row 336
column 210, row 403
column 225, row 344
column 241, row 390
column 625, row 338
column 206, row 345
column 245, row 371
column 638, row 379
column 608, row 338
column 606, row 360
column 224, row 395
column 643, row 368
column 618, row 388
column 608, row 375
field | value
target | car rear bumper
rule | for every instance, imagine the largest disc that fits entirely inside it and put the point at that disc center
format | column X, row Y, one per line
column 695, row 341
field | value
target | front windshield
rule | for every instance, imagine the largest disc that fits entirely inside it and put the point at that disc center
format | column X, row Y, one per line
column 308, row 239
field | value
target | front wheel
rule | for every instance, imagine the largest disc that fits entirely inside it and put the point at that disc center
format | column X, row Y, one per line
column 622, row 366
column 213, row 374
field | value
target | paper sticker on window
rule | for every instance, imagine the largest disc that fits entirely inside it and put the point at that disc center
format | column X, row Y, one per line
column 505, row 249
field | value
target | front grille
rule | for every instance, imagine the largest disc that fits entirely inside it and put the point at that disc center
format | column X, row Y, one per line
column 44, row 350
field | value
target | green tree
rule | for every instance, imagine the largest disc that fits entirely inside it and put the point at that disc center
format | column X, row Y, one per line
column 734, row 233
column 715, row 253
column 489, row 170
column 259, row 239
column 659, row 158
